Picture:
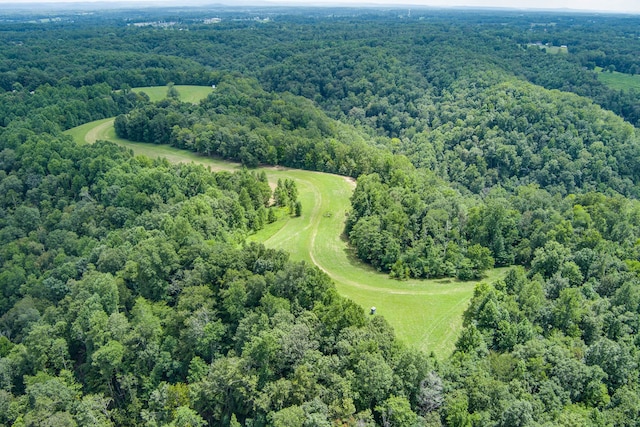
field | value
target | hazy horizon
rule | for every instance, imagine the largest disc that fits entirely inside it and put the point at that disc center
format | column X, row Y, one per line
column 613, row 6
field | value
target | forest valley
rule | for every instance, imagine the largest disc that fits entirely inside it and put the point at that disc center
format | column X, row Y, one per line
column 128, row 293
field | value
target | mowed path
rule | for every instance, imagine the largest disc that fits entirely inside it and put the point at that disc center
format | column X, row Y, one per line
column 425, row 314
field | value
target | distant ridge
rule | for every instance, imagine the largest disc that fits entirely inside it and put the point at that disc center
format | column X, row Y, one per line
column 48, row 5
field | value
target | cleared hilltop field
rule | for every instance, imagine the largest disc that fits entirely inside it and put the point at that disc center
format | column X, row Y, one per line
column 187, row 93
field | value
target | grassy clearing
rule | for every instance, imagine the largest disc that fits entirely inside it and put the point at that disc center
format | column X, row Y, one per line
column 426, row 314
column 555, row 50
column 188, row 93
column 550, row 49
column 618, row 81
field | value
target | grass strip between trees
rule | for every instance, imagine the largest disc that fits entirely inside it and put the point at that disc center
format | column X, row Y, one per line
column 426, row 314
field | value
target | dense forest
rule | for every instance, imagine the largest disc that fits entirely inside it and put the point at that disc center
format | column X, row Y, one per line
column 128, row 293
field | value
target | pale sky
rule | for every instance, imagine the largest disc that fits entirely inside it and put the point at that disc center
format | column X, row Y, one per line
column 632, row 6
column 595, row 5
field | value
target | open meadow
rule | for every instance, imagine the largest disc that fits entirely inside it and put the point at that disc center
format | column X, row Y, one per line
column 187, row 93
column 619, row 81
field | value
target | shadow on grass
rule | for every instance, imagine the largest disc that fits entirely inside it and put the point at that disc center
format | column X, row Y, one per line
column 354, row 261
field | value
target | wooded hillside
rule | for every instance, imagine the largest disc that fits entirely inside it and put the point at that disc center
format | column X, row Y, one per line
column 128, row 293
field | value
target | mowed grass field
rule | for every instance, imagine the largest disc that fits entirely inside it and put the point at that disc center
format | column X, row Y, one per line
column 187, row 93
column 426, row 314
column 619, row 81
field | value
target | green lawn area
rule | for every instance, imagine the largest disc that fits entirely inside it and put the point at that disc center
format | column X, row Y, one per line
column 553, row 50
column 188, row 93
column 426, row 314
column 619, row 81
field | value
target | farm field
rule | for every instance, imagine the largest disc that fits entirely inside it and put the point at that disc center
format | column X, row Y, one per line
column 619, row 81
column 426, row 314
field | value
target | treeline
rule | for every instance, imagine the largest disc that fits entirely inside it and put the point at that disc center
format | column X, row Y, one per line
column 89, row 53
column 553, row 346
column 53, row 186
column 52, row 109
column 414, row 225
column 243, row 122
